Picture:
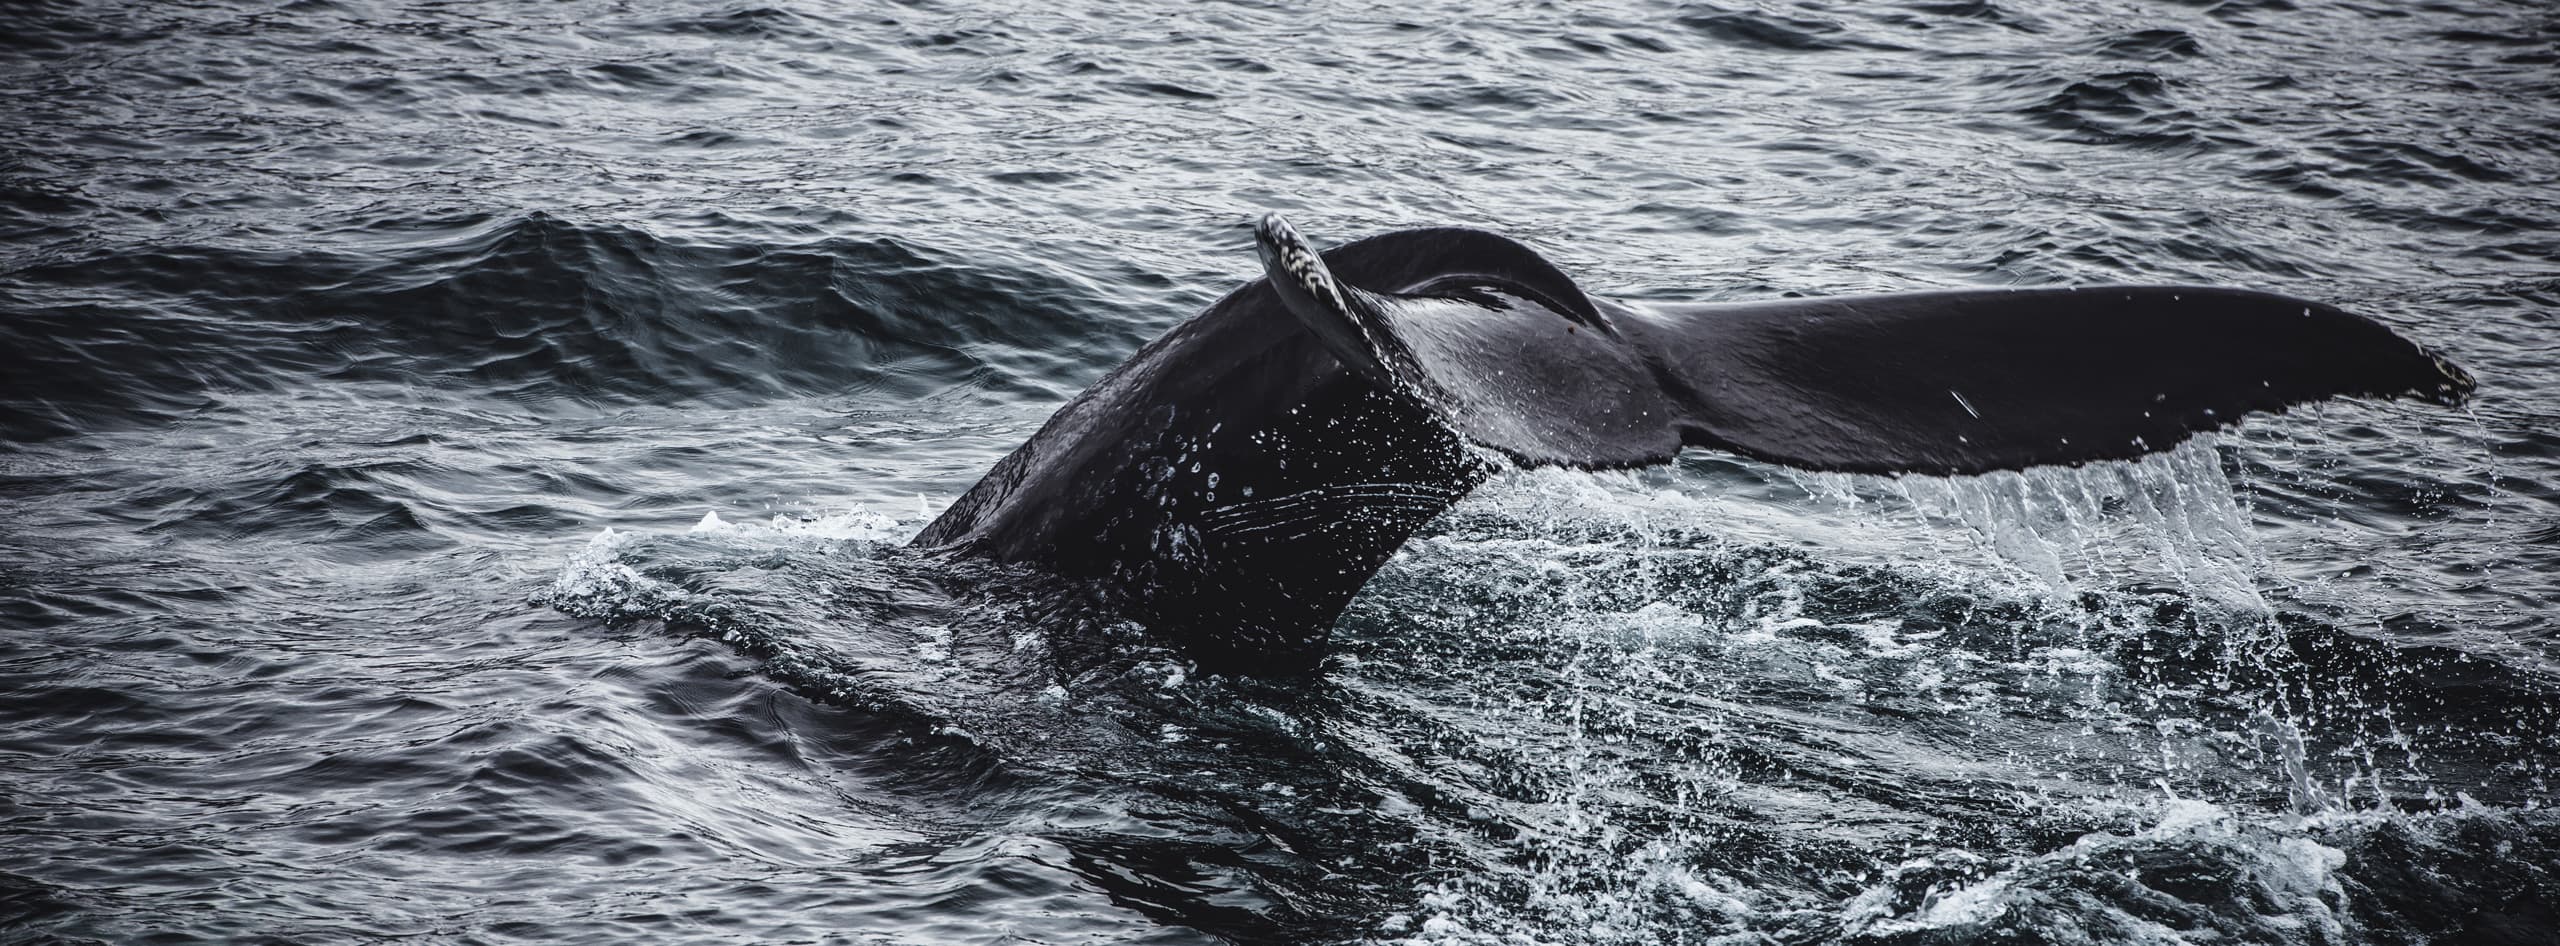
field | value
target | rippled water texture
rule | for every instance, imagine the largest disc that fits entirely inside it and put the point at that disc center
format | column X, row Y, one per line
column 367, row 372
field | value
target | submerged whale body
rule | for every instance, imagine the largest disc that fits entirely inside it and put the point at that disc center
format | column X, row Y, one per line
column 1237, row 481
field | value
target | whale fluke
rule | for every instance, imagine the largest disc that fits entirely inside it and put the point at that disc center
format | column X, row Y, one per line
column 1235, row 482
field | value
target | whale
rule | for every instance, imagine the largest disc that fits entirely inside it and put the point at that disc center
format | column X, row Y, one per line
column 1235, row 482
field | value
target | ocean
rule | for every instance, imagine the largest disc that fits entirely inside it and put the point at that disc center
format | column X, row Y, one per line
column 455, row 458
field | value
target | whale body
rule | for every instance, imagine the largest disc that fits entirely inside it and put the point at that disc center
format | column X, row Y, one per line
column 1236, row 481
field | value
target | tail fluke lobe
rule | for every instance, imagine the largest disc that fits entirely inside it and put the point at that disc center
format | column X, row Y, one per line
column 1971, row 381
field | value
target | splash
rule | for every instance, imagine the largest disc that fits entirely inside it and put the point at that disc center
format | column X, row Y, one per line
column 2199, row 870
column 2069, row 674
column 610, row 578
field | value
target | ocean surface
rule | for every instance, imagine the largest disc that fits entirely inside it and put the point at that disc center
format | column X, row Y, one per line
column 454, row 458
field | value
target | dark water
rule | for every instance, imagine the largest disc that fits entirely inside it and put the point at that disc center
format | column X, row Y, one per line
column 365, row 370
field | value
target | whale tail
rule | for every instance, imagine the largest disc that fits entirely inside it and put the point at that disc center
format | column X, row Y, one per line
column 1236, row 481
column 1940, row 382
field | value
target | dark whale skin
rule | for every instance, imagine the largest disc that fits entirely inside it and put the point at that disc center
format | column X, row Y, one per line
column 1236, row 481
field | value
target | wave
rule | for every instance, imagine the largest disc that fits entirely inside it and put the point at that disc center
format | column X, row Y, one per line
column 1565, row 710
column 535, row 309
